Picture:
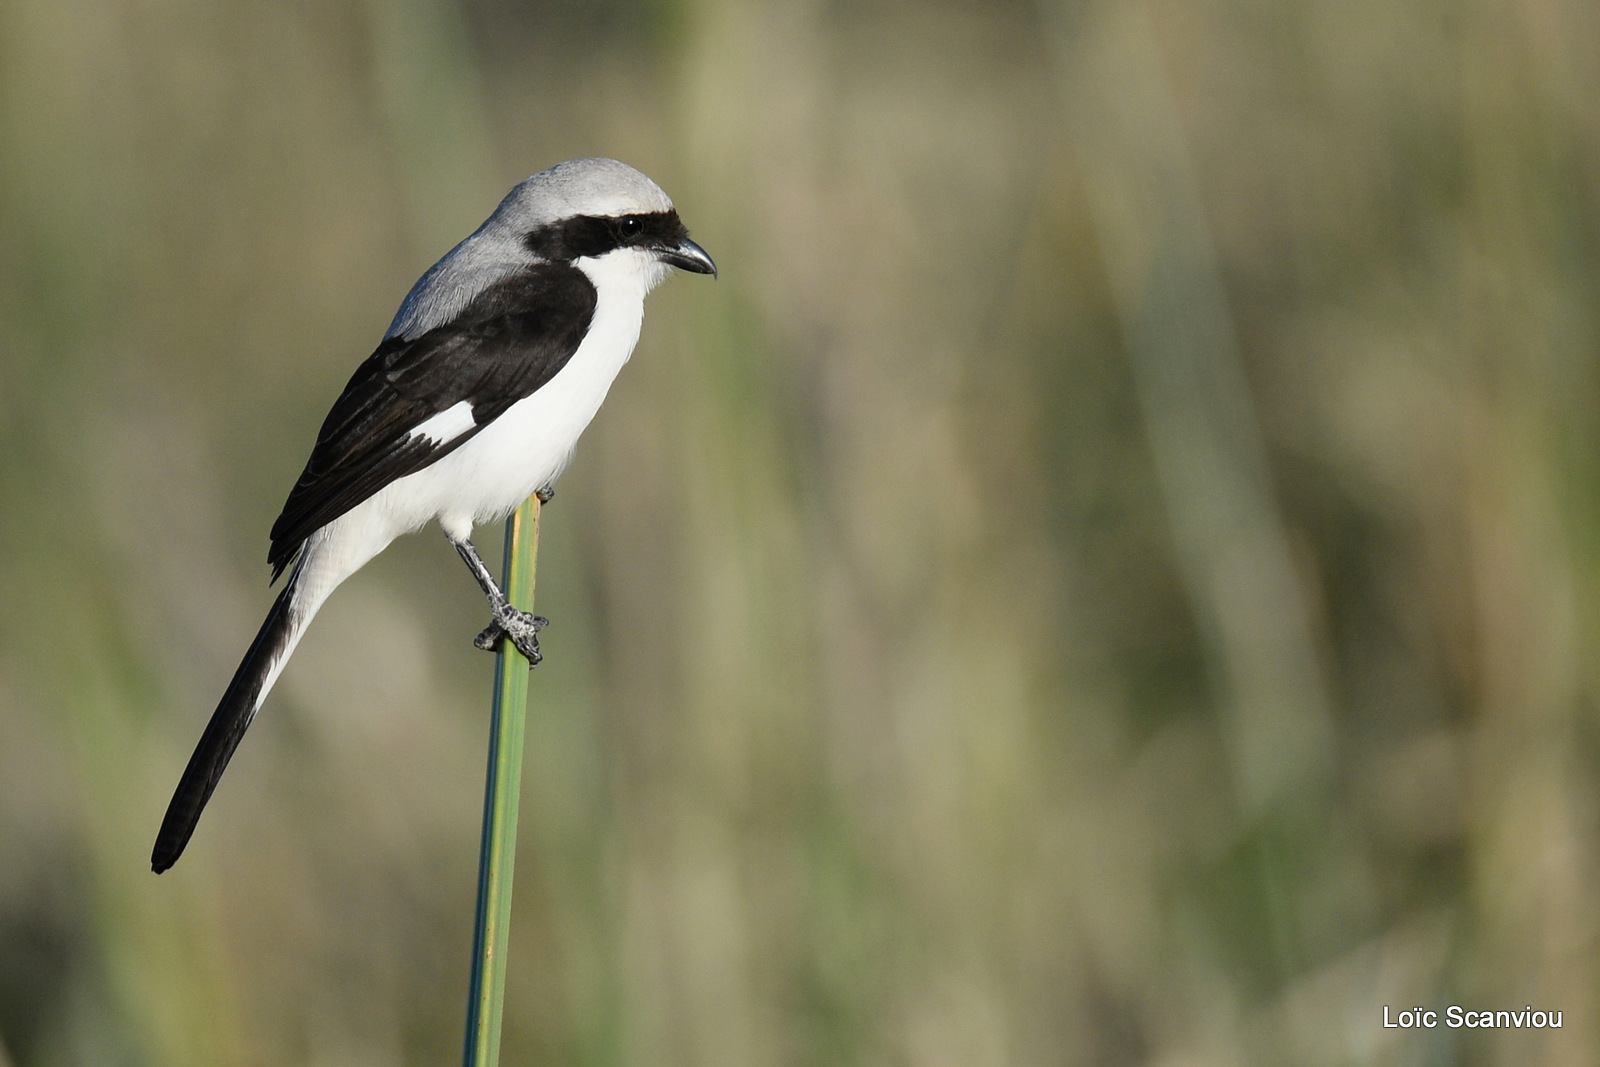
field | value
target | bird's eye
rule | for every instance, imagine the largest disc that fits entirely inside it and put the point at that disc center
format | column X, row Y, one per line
column 631, row 226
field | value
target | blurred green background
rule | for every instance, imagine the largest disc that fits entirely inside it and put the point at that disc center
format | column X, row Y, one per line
column 1107, row 576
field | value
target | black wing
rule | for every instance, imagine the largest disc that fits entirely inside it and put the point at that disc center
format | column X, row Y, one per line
column 509, row 341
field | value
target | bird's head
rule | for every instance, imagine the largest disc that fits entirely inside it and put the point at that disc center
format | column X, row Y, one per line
column 597, row 214
column 593, row 208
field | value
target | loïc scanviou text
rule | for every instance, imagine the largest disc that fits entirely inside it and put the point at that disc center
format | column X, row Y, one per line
column 1456, row 1016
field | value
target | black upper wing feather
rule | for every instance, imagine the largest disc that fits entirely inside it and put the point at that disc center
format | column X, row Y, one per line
column 508, row 342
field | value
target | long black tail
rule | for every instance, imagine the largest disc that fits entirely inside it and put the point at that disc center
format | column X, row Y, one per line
column 225, row 731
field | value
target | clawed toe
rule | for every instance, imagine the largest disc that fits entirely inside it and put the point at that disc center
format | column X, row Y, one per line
column 489, row 638
column 521, row 627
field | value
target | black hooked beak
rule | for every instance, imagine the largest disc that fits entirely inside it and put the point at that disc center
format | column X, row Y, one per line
column 687, row 255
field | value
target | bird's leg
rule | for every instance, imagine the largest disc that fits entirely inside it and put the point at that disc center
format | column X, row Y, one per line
column 522, row 627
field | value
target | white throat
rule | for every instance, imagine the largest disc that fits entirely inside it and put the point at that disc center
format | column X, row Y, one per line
column 627, row 270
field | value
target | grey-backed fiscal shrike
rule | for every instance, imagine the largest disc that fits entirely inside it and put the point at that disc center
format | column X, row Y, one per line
column 494, row 364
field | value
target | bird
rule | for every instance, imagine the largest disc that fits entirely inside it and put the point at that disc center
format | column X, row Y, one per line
column 494, row 364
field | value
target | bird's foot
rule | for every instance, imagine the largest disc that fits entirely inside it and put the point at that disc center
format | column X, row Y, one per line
column 523, row 629
column 545, row 493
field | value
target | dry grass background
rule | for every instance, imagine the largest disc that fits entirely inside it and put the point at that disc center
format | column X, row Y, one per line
column 1107, row 576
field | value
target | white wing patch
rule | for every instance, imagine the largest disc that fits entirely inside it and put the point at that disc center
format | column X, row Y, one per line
column 446, row 426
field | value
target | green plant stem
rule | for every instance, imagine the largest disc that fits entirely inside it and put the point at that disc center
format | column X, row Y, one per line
column 497, row 861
